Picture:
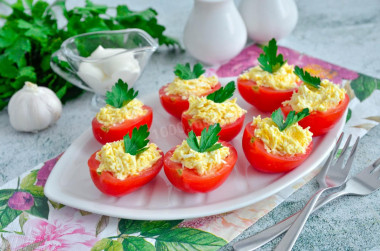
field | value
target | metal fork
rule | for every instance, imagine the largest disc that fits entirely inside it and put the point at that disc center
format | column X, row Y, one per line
column 330, row 177
column 363, row 183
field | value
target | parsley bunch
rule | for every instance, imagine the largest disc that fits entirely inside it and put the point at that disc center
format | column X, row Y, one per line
column 307, row 78
column 223, row 93
column 269, row 60
column 208, row 140
column 30, row 35
column 292, row 118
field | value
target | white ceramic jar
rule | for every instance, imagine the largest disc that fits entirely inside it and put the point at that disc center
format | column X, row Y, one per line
column 214, row 32
column 267, row 19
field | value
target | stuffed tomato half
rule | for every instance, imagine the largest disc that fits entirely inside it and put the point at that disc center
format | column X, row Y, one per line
column 122, row 113
column 123, row 166
column 215, row 108
column 188, row 82
column 267, row 85
column 200, row 164
column 326, row 101
column 274, row 145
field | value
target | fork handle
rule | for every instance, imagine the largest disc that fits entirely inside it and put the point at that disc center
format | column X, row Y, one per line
column 294, row 231
column 269, row 234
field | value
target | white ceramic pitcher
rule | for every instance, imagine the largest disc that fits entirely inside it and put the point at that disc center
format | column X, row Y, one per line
column 267, row 19
column 215, row 31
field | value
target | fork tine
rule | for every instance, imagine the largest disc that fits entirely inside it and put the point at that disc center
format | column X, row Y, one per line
column 352, row 155
column 331, row 156
column 340, row 160
column 336, row 148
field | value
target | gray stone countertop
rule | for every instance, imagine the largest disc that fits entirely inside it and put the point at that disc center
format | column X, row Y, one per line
column 346, row 33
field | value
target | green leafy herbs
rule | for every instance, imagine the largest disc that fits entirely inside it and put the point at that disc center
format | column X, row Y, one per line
column 269, row 60
column 30, row 35
column 208, row 139
column 292, row 118
column 120, row 94
column 307, row 78
column 138, row 142
column 184, row 71
column 223, row 93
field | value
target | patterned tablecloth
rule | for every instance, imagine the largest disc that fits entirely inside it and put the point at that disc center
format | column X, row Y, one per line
column 29, row 221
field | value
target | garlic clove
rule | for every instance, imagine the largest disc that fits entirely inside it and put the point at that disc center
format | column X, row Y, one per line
column 34, row 108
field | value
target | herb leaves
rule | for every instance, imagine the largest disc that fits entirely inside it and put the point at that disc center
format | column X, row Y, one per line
column 208, row 139
column 184, row 71
column 269, row 61
column 292, row 118
column 307, row 78
column 31, row 34
column 138, row 142
column 120, row 94
column 223, row 93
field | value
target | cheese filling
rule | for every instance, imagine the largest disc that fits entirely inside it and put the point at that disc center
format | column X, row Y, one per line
column 203, row 163
column 186, row 88
column 283, row 79
column 114, row 159
column 109, row 115
column 210, row 112
column 327, row 96
column 293, row 140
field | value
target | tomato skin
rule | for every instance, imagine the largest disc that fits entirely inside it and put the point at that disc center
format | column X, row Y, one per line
column 227, row 133
column 113, row 133
column 263, row 161
column 175, row 105
column 321, row 122
column 110, row 185
column 190, row 181
column 263, row 98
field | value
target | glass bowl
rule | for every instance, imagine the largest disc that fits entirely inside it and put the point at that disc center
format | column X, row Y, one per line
column 95, row 61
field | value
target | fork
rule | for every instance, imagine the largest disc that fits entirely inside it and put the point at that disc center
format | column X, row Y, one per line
column 330, row 177
column 363, row 183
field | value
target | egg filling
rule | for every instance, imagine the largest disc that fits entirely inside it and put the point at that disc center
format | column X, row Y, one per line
column 109, row 115
column 283, row 79
column 210, row 112
column 292, row 140
column 203, row 163
column 186, row 88
column 327, row 96
column 114, row 159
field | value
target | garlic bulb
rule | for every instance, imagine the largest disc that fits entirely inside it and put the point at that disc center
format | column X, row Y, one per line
column 34, row 108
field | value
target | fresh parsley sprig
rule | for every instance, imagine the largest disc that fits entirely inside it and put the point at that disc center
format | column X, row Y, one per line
column 269, row 60
column 223, row 93
column 184, row 71
column 137, row 143
column 120, row 95
column 307, row 78
column 208, row 139
column 292, row 118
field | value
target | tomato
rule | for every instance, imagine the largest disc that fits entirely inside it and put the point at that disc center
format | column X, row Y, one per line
column 175, row 105
column 190, row 181
column 263, row 161
column 227, row 133
column 265, row 99
column 321, row 122
column 104, row 134
column 110, row 185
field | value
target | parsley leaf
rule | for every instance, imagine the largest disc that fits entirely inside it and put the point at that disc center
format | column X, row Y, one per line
column 120, row 94
column 138, row 142
column 307, row 78
column 208, row 140
column 292, row 118
column 269, row 61
column 223, row 93
column 184, row 71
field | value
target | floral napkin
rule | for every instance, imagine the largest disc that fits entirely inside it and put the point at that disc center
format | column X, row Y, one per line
column 29, row 221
